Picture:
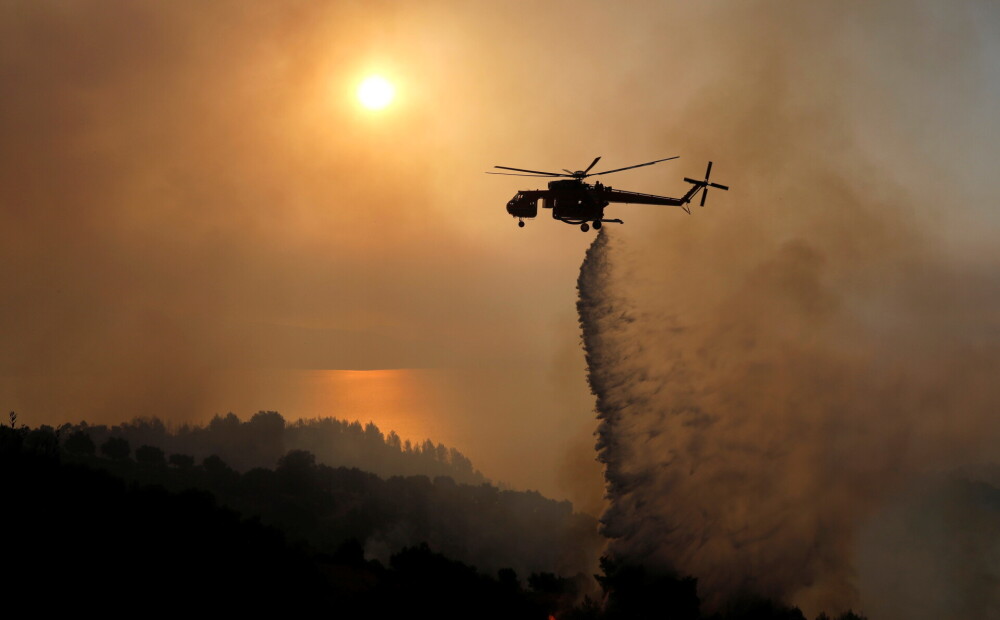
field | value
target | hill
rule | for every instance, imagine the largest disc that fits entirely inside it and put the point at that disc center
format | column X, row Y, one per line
column 325, row 506
column 266, row 437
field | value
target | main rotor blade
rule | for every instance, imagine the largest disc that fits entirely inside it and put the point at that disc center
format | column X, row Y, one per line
column 511, row 174
column 708, row 172
column 592, row 164
column 704, row 196
column 551, row 174
column 648, row 163
column 725, row 187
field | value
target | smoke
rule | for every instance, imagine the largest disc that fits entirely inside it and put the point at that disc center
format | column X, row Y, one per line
column 776, row 372
column 933, row 552
column 749, row 433
column 189, row 190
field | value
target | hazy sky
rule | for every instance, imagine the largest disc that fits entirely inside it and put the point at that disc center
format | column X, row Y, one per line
column 192, row 202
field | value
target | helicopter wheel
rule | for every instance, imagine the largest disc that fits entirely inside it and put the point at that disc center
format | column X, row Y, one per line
column 584, row 227
column 520, row 224
column 597, row 224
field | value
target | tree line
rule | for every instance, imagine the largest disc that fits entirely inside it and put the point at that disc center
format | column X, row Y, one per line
column 262, row 439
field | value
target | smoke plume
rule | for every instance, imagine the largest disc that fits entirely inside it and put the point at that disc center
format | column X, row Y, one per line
column 748, row 433
column 775, row 374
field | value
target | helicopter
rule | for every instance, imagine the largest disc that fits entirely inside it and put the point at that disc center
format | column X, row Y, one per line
column 578, row 203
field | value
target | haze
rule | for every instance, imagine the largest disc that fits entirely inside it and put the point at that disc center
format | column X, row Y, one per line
column 196, row 216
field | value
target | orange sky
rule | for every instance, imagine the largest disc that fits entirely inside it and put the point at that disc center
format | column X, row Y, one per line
column 190, row 191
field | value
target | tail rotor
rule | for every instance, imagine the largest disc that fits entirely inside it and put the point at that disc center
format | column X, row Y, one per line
column 704, row 185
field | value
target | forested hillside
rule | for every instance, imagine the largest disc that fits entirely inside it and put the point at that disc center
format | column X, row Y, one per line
column 325, row 506
column 266, row 437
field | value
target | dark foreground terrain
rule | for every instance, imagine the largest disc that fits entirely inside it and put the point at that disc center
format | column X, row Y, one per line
column 118, row 536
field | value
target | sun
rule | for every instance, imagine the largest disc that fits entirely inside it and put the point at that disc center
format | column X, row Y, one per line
column 375, row 92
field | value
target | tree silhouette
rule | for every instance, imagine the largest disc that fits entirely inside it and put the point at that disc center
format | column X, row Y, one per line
column 215, row 465
column 632, row 593
column 116, row 448
column 297, row 462
column 757, row 608
column 42, row 440
column 80, row 443
column 150, row 455
column 182, row 461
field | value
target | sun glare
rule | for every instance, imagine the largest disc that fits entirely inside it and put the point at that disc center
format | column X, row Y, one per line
column 375, row 92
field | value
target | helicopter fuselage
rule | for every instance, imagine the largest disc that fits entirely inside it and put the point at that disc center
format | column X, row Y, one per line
column 571, row 201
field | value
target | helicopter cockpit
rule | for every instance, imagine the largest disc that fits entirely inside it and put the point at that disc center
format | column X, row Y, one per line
column 523, row 205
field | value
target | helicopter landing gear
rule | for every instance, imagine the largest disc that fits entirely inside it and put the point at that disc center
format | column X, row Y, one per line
column 597, row 224
column 520, row 224
column 584, row 227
